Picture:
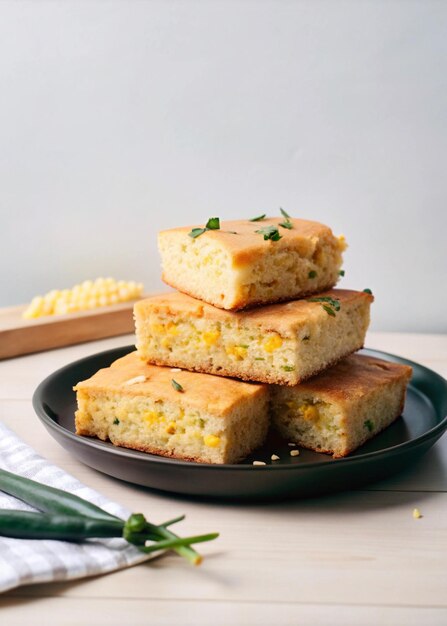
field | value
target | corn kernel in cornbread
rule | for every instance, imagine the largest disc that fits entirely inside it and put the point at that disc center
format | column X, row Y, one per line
column 206, row 419
column 236, row 267
column 280, row 343
column 344, row 406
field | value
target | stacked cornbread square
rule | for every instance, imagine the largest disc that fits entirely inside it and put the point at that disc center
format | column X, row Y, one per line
column 257, row 333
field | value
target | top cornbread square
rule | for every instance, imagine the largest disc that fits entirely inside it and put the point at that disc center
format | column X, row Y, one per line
column 235, row 267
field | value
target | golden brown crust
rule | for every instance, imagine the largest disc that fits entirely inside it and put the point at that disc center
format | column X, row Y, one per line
column 353, row 377
column 204, row 391
column 248, row 245
column 283, row 318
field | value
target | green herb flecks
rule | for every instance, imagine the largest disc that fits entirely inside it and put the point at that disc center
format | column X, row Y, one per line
column 328, row 310
column 288, row 368
column 259, row 218
column 341, row 273
column 196, row 232
column 212, row 224
column 269, row 232
column 312, row 274
column 368, row 291
column 116, row 421
column 284, row 213
column 286, row 224
column 177, row 386
column 369, row 425
column 330, row 305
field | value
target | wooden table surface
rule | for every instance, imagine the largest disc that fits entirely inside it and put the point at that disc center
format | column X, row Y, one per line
column 353, row 558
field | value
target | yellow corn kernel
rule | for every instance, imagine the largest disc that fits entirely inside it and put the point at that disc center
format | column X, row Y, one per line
column 309, row 411
column 34, row 309
column 342, row 243
column 238, row 351
column 158, row 329
column 171, row 328
column 210, row 337
column 152, row 417
column 212, row 441
column 170, row 428
column 272, row 343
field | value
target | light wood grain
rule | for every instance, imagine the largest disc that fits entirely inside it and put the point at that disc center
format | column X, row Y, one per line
column 20, row 336
column 351, row 558
column 66, row 611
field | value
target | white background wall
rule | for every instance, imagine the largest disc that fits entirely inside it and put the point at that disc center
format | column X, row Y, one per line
column 118, row 119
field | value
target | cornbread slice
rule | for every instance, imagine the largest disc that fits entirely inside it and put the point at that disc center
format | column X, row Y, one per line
column 197, row 417
column 281, row 343
column 341, row 408
column 235, row 267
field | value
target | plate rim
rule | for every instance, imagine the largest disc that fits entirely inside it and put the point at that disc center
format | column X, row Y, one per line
column 109, row 448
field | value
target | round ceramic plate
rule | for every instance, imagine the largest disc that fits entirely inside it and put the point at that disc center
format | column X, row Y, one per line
column 422, row 423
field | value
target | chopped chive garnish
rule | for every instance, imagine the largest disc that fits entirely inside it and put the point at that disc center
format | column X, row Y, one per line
column 288, row 368
column 330, row 305
column 116, row 421
column 312, row 274
column 333, row 302
column 369, row 425
column 269, row 232
column 242, row 345
column 259, row 218
column 286, row 224
column 196, row 232
column 177, row 386
column 213, row 223
column 328, row 310
column 259, row 358
column 284, row 213
column 341, row 273
column 368, row 291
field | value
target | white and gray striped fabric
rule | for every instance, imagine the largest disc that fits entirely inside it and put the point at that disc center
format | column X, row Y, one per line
column 26, row 561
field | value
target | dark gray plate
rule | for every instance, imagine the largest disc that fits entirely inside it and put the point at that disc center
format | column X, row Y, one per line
column 423, row 422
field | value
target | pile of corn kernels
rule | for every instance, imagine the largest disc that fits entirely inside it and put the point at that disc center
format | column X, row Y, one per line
column 87, row 295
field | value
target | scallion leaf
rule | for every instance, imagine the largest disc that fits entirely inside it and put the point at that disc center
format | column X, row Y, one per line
column 259, row 218
column 286, row 224
column 177, row 386
column 213, row 223
column 328, row 310
column 196, row 232
column 269, row 232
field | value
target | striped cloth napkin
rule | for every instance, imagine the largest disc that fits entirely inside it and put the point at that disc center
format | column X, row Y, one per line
column 28, row 561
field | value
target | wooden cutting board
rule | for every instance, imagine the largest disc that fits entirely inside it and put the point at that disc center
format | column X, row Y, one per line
column 19, row 336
